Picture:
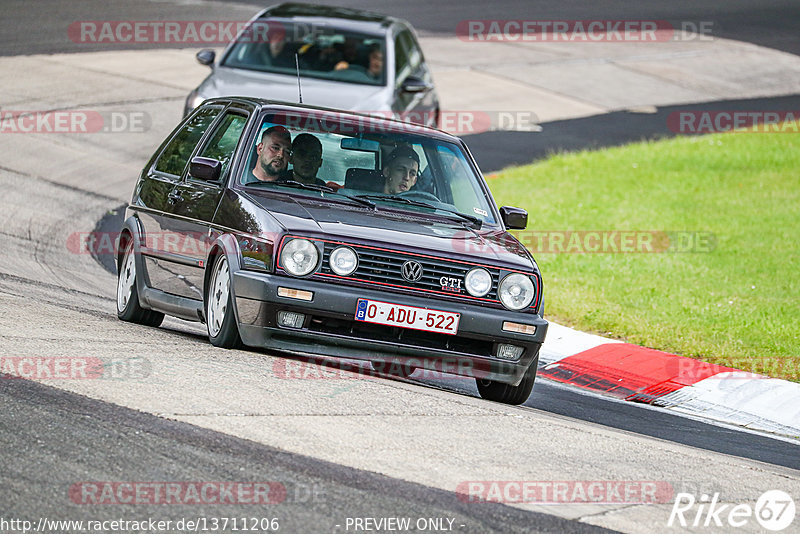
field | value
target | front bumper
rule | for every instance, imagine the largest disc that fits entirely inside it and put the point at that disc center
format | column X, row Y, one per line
column 330, row 328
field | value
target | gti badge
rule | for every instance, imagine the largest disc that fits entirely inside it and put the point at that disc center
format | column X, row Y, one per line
column 450, row 283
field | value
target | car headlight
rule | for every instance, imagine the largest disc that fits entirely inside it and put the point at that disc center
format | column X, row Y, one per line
column 516, row 291
column 343, row 261
column 299, row 257
column 478, row 282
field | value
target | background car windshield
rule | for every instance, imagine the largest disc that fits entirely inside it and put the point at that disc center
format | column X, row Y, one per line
column 355, row 158
column 322, row 52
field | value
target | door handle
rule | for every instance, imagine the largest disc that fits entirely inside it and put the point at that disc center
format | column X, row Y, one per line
column 174, row 196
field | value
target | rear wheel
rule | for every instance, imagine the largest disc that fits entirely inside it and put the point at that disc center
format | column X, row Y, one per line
column 506, row 393
column 220, row 320
column 128, row 307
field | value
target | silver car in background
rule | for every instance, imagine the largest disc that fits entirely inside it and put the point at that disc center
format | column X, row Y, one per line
column 346, row 59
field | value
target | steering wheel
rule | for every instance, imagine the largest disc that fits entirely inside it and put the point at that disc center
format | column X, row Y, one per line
column 421, row 195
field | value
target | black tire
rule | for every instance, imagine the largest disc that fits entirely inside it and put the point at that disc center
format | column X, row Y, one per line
column 506, row 393
column 220, row 320
column 128, row 307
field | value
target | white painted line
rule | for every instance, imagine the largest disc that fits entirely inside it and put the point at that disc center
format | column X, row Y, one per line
column 743, row 399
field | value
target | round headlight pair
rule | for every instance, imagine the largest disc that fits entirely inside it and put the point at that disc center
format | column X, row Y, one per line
column 299, row 257
column 516, row 291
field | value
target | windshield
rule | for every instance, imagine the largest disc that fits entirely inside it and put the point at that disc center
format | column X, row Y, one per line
column 390, row 165
column 322, row 52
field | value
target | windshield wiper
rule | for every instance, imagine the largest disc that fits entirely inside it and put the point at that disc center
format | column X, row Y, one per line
column 317, row 187
column 396, row 198
column 471, row 218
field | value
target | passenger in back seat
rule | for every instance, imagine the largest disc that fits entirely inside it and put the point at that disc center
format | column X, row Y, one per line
column 400, row 170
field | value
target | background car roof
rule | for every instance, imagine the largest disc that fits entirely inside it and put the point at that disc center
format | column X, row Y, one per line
column 342, row 17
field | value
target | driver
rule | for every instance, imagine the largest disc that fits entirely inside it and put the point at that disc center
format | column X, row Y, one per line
column 273, row 152
column 400, row 170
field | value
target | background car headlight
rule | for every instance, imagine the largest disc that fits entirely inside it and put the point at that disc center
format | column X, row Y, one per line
column 516, row 291
column 299, row 257
column 478, row 282
column 343, row 261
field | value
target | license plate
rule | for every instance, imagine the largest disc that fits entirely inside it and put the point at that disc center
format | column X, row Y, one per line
column 375, row 311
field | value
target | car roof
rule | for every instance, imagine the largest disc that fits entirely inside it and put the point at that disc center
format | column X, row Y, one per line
column 342, row 17
column 263, row 103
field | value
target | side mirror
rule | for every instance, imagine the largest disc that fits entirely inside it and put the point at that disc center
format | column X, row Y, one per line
column 412, row 84
column 514, row 218
column 206, row 57
column 205, row 169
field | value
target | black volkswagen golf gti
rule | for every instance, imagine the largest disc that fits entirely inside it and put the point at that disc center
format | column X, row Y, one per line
column 320, row 232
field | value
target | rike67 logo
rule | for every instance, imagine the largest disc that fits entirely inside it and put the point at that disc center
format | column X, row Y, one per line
column 774, row 511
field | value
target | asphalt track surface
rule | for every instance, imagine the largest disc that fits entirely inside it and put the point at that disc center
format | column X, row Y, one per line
column 52, row 438
column 319, row 496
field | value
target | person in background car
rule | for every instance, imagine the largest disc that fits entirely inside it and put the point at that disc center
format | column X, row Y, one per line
column 400, row 170
column 375, row 62
column 274, row 152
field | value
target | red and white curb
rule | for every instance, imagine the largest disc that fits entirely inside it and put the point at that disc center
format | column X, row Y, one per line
column 685, row 385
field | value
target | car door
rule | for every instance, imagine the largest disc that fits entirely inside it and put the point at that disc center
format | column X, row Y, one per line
column 414, row 93
column 192, row 203
column 151, row 199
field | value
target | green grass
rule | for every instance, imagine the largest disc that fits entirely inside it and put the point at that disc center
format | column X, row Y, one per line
column 737, row 305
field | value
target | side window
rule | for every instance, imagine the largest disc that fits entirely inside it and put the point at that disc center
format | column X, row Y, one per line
column 223, row 143
column 176, row 155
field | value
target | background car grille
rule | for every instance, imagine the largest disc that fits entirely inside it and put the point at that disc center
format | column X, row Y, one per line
column 384, row 266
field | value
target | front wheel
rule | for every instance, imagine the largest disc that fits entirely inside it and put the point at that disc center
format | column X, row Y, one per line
column 220, row 320
column 506, row 393
column 128, row 307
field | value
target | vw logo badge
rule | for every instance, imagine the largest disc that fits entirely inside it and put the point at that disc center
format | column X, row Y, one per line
column 411, row 271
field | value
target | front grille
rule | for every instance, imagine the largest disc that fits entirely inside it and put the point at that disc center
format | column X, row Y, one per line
column 384, row 267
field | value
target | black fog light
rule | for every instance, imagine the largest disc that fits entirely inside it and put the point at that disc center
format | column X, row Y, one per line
column 291, row 319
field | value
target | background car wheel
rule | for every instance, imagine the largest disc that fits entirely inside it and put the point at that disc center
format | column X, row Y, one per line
column 220, row 320
column 506, row 393
column 128, row 307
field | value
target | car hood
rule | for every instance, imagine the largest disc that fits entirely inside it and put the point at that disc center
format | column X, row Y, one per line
column 226, row 81
column 397, row 230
